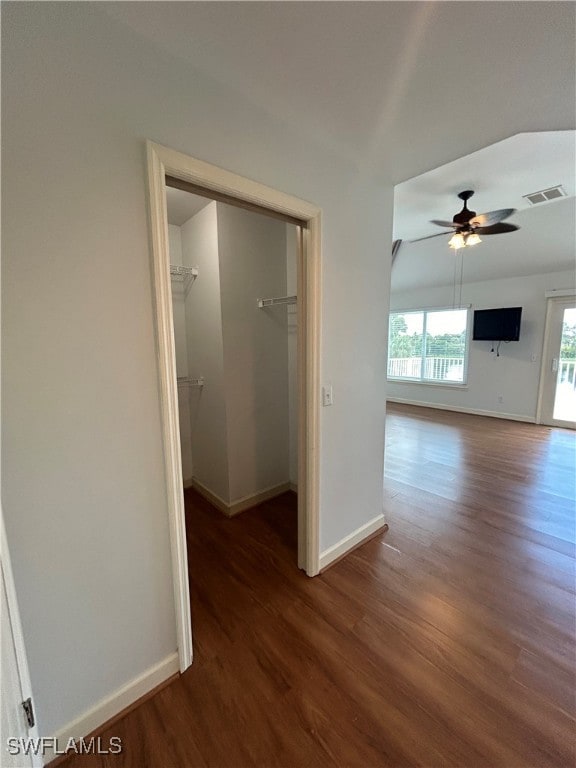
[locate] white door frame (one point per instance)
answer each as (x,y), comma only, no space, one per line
(12,624)
(555,300)
(162,161)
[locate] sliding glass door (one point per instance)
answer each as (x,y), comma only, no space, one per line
(558,385)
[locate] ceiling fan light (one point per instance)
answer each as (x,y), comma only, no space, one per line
(473,239)
(456,241)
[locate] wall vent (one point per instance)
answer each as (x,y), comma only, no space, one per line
(544,195)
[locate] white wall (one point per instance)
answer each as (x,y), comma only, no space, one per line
(178,306)
(205,353)
(83,480)
(292,318)
(252,252)
(179,319)
(237,428)
(175,244)
(514,375)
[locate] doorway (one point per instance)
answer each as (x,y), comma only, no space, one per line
(234,304)
(210,181)
(558,378)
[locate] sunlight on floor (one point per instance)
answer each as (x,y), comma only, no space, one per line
(565,402)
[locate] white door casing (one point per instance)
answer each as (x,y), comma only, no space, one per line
(551,360)
(14,673)
(162,161)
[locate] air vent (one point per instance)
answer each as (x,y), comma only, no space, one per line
(553,193)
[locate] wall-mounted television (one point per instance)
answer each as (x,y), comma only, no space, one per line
(497,324)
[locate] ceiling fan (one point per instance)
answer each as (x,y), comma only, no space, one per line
(467,226)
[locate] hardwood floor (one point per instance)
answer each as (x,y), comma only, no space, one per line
(448,641)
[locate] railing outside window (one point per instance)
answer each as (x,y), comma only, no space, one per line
(567,373)
(435,368)
(428,346)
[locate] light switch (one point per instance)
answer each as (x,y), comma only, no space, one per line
(327,398)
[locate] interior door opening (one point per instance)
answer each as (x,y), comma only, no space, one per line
(225,186)
(234,307)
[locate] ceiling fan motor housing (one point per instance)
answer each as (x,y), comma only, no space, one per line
(465,215)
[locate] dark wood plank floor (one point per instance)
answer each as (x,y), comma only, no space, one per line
(448,641)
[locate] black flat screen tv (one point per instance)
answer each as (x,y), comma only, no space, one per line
(497,324)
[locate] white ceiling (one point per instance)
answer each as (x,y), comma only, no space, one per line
(181,205)
(499,175)
(393,88)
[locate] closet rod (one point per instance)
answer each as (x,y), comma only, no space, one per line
(280,300)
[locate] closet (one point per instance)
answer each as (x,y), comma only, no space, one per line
(233,274)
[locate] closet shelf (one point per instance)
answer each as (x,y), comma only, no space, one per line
(185,275)
(274,302)
(186,381)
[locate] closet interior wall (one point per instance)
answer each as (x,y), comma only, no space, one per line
(239,430)
(179,318)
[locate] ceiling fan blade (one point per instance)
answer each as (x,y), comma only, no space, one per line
(427,237)
(492,217)
(395,248)
(496,229)
(443,223)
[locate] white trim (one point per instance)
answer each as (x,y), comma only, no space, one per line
(15,629)
(160,162)
(425,311)
(430,309)
(544,360)
(351,541)
(257,498)
(427,382)
(557,293)
(112,705)
(309,335)
(544,410)
(211,177)
(458,409)
(246,502)
(169,403)
(210,496)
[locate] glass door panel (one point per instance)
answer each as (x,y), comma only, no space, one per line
(565,396)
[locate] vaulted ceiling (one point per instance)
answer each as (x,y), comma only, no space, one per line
(394,90)
(391,88)
(501,175)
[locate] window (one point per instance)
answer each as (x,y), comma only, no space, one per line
(428,345)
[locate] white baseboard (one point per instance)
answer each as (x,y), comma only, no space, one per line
(458,409)
(257,498)
(351,541)
(246,502)
(112,705)
(213,498)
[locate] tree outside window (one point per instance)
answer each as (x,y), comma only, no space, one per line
(428,345)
